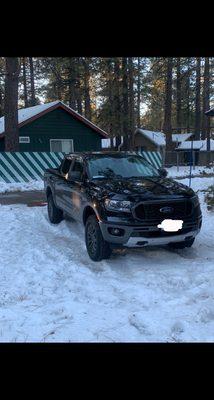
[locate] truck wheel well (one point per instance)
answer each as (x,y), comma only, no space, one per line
(87,212)
(48,192)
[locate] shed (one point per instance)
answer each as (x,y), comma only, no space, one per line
(199,147)
(54,127)
(146,140)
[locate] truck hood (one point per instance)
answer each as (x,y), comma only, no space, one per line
(146,187)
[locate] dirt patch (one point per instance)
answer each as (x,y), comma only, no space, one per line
(31,198)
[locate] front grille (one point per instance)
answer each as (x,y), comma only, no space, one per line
(180,209)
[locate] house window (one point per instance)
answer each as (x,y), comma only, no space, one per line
(62,145)
(24,139)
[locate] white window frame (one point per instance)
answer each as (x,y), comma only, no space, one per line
(61,140)
(24,139)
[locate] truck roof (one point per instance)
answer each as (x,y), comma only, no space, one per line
(87,154)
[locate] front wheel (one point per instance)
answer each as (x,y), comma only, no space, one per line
(55,214)
(98,249)
(182,245)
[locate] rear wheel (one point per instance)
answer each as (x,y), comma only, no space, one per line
(54,213)
(182,245)
(98,249)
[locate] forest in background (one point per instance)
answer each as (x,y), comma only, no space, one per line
(118,94)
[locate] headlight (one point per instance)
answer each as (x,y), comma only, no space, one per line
(115,205)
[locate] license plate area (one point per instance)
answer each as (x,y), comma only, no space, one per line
(171,225)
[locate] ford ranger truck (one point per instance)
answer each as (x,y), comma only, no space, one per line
(122,200)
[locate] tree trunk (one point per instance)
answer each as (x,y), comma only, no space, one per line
(25,82)
(87,99)
(11,104)
(138,91)
(32,87)
(110,96)
(178,96)
(72,82)
(167,127)
(125,103)
(131,102)
(116,101)
(78,88)
(188,95)
(198,99)
(206,101)
(1,104)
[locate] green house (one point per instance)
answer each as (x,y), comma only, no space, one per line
(54,127)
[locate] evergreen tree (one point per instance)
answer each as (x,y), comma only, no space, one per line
(11,104)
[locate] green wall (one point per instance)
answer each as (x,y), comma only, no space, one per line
(58,124)
(1,145)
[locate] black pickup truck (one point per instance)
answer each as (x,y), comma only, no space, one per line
(122,200)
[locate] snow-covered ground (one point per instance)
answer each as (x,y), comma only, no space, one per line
(182,171)
(21,187)
(51,291)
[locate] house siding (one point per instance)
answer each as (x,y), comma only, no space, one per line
(58,124)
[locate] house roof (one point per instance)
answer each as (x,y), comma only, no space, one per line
(210,112)
(197,145)
(159,139)
(27,115)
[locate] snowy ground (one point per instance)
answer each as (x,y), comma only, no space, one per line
(182,171)
(51,291)
(21,187)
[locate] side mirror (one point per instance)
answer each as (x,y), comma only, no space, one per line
(163,172)
(74,176)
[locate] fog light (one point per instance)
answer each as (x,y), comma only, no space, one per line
(116,231)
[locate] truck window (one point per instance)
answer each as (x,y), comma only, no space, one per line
(78,166)
(66,166)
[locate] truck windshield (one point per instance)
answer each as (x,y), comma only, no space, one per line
(127,166)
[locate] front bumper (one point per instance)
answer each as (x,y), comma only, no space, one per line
(148,235)
(160,241)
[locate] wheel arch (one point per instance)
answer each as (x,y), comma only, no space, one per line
(48,191)
(87,212)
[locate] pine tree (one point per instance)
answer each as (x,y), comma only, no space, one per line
(138,90)
(32,85)
(11,104)
(198,99)
(25,82)
(125,103)
(131,125)
(167,128)
(206,102)
(178,96)
(86,90)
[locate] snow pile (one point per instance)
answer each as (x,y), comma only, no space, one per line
(183,171)
(51,291)
(21,187)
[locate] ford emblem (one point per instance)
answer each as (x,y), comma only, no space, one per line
(166,210)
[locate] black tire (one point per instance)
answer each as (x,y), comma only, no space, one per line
(97,248)
(182,245)
(55,214)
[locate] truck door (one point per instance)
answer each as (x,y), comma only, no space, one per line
(62,186)
(77,189)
